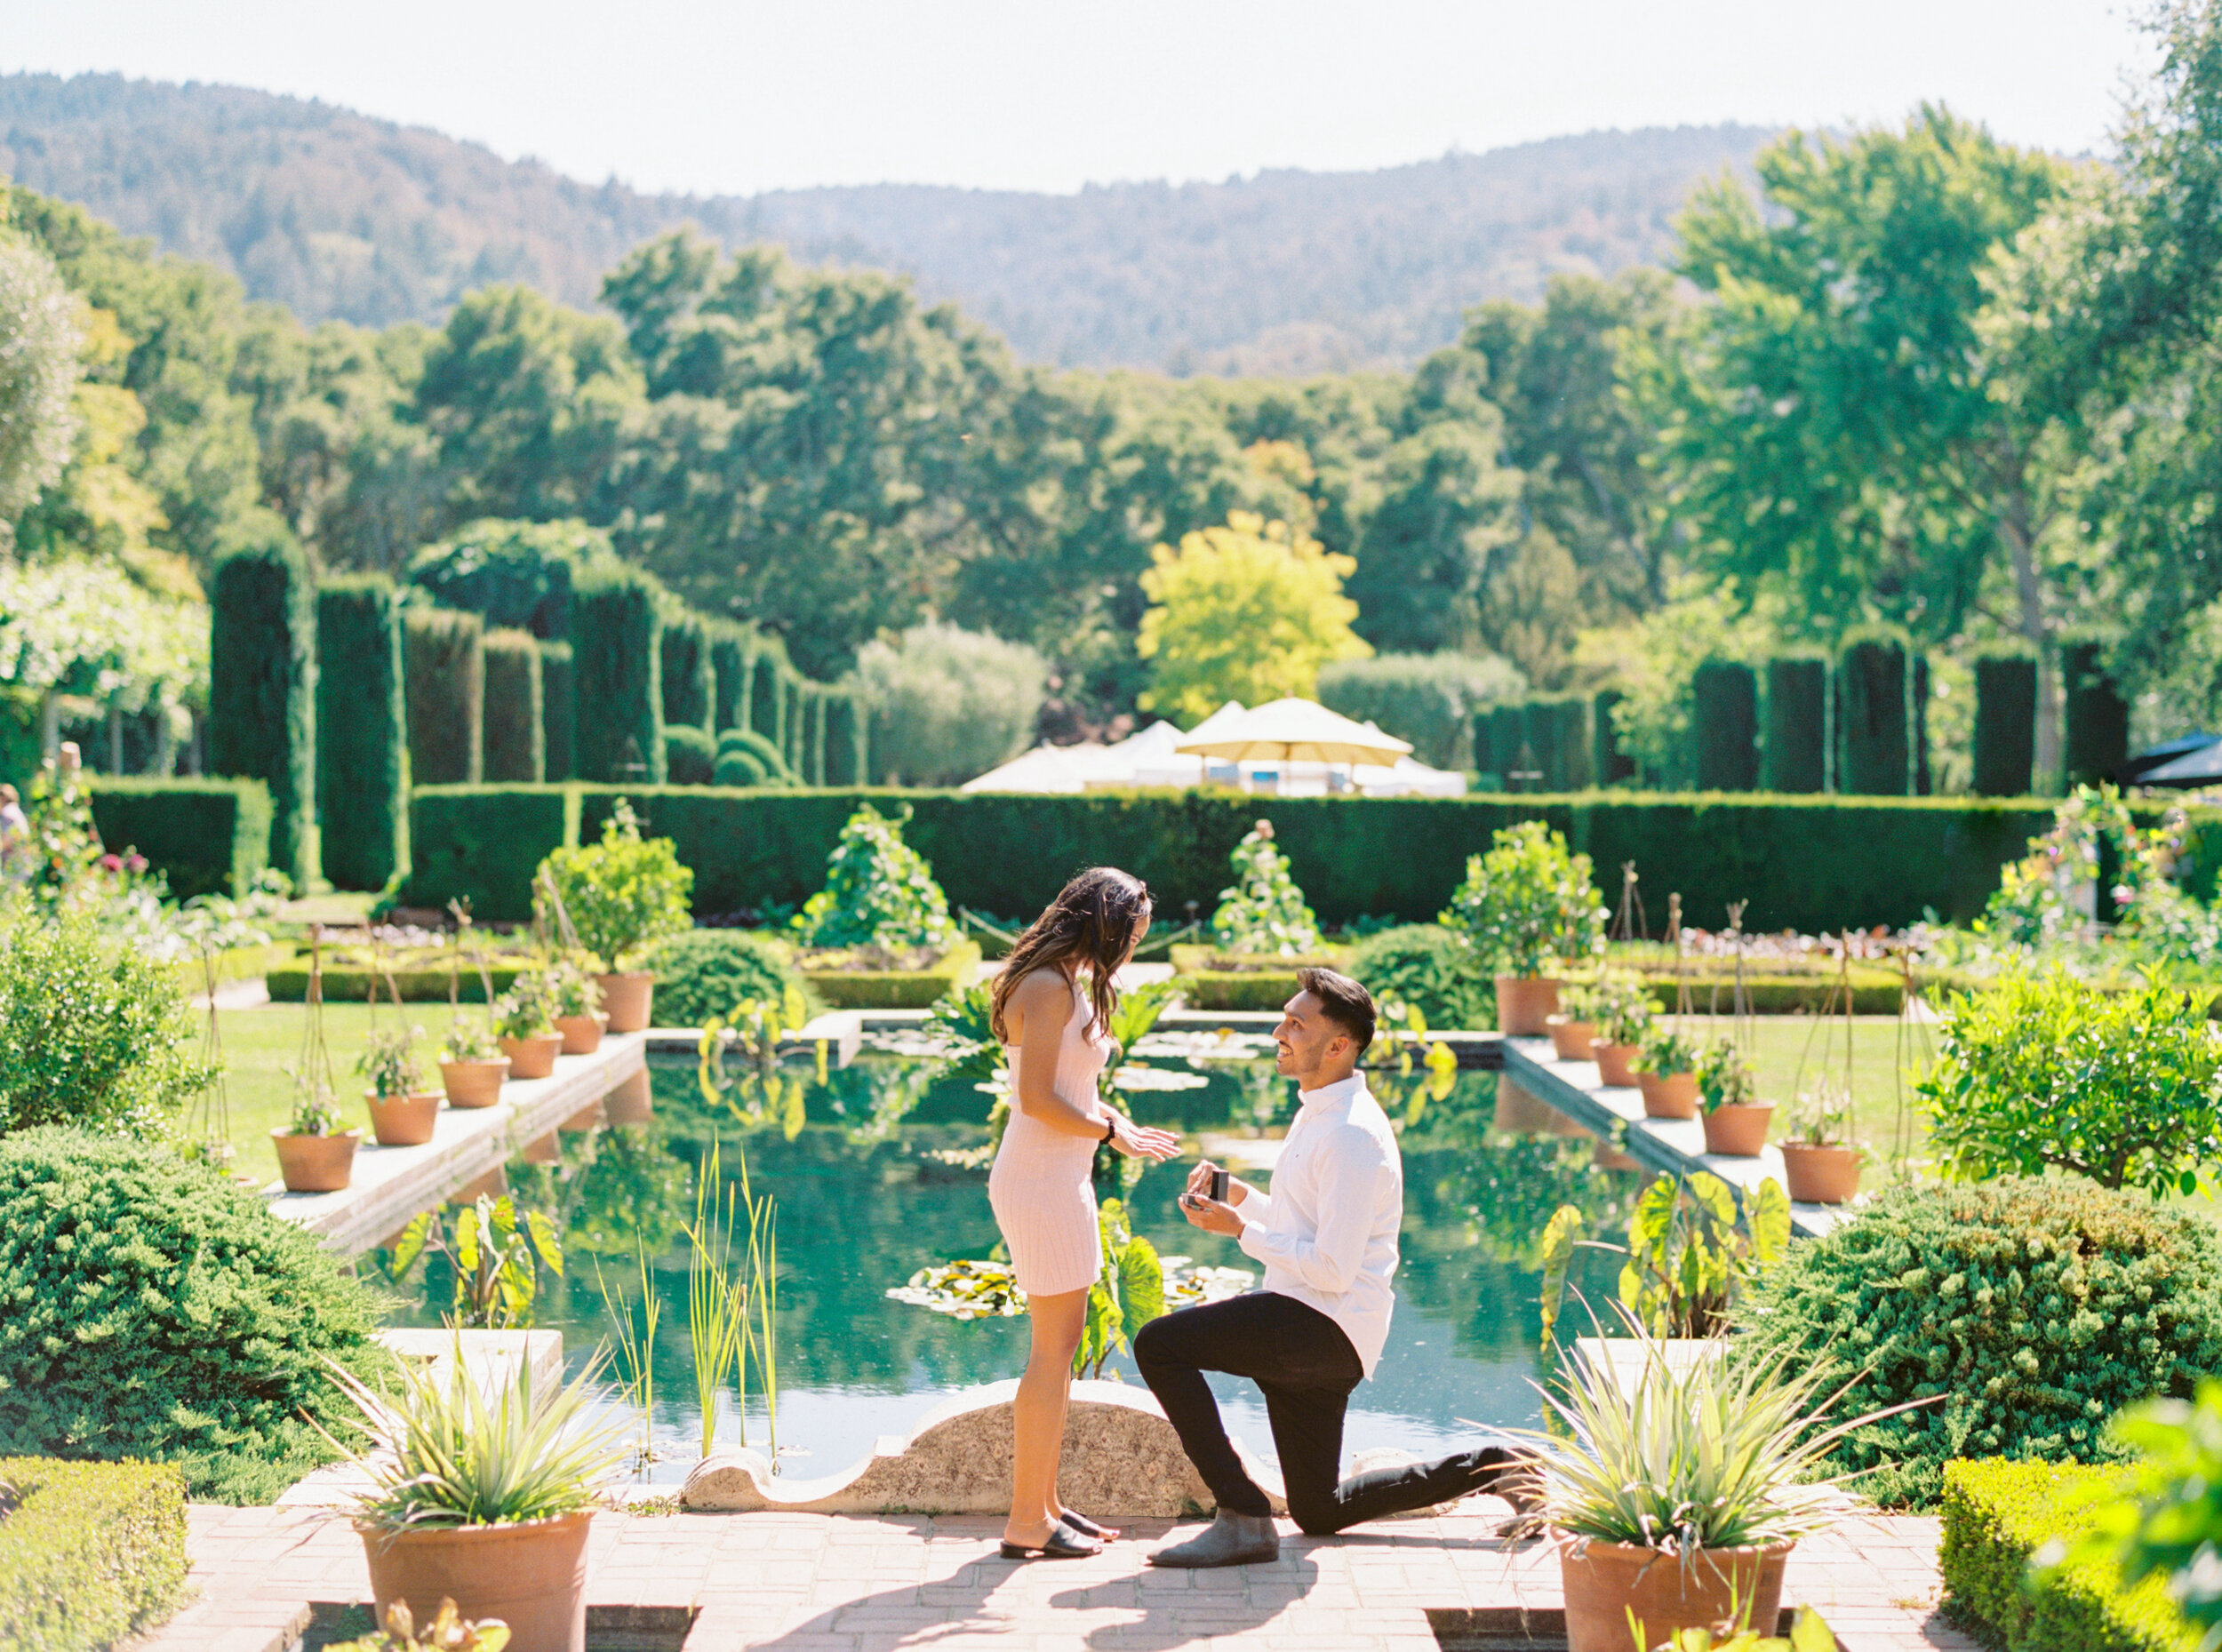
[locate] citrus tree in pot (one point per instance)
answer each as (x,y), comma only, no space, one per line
(527,1028)
(484,1499)
(402,1111)
(1666,1073)
(1736,1120)
(1820,1160)
(1528,907)
(623,895)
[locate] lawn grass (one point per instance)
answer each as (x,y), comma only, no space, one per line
(1791,1054)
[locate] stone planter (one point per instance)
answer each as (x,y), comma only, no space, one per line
(1613,1069)
(1526,1003)
(316,1164)
(626,999)
(632,1102)
(474,1083)
(1605,1583)
(1821,1174)
(1571,1039)
(533,1058)
(531,1575)
(1738,1130)
(582,1034)
(1668,1095)
(403,1121)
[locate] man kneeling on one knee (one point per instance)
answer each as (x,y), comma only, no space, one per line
(1327,1237)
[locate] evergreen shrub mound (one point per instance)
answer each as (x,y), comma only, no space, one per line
(2005,724)
(690,754)
(362,733)
(515,736)
(771,765)
(616,666)
(90,1553)
(704,973)
(2030,1310)
(1428,967)
(150,1308)
(262,687)
(559,712)
(737,766)
(1725,724)
(446,668)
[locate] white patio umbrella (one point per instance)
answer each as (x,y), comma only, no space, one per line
(1293,730)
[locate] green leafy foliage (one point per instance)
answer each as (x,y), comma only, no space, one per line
(496,1258)
(1430,701)
(1664,1051)
(1428,969)
(2165,1522)
(469,1037)
(1618,1004)
(388,1062)
(527,1009)
(2045,1073)
(448,1631)
(1724,1078)
(1527,905)
(1691,1253)
(1264,911)
(879,892)
(511,573)
(625,892)
(150,1308)
(2035,1309)
(91,1553)
(703,975)
(948,703)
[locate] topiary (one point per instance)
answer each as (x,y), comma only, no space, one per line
(625,892)
(879,892)
(738,767)
(689,758)
(151,1308)
(767,755)
(2031,1310)
(1427,966)
(705,973)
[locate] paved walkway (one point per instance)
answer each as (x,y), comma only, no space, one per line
(806,1583)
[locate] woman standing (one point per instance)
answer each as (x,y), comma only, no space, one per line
(1052,1013)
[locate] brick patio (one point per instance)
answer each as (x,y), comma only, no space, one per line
(806,1583)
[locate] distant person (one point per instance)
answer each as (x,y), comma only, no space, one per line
(15,831)
(1327,1236)
(1052,1008)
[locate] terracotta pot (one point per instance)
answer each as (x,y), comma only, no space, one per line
(1613,1069)
(1741,1130)
(533,1058)
(474,1083)
(1526,1003)
(1669,1096)
(403,1121)
(632,1102)
(1605,1582)
(1821,1175)
(531,1575)
(1571,1038)
(626,999)
(582,1034)
(316,1164)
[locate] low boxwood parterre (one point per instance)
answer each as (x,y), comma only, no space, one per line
(1996,1516)
(90,1553)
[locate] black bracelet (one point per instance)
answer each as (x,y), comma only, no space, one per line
(1110,1129)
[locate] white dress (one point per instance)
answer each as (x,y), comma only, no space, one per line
(1040,1189)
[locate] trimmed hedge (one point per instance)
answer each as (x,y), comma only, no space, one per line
(559,712)
(512,574)
(1205,985)
(767,701)
(2005,724)
(847,759)
(1724,725)
(91,1553)
(362,733)
(2097,735)
(1796,743)
(1613,766)
(206,836)
(690,756)
(484,844)
(445,650)
(288,984)
(1556,730)
(690,680)
(515,729)
(618,669)
(1996,1516)
(1875,754)
(262,689)
(1508,743)
(733,664)
(895,989)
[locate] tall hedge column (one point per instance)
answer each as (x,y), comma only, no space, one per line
(2005,724)
(689,683)
(1613,766)
(1796,750)
(618,667)
(1724,724)
(1871,696)
(559,712)
(2097,731)
(732,662)
(516,732)
(362,733)
(445,650)
(262,691)
(1508,733)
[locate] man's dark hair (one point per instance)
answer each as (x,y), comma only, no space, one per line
(1348,1005)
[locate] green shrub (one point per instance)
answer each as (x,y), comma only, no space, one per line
(2096,739)
(1429,968)
(262,688)
(91,1553)
(690,756)
(732,669)
(1264,910)
(2005,724)
(1509,742)
(818,699)
(482,844)
(559,712)
(362,733)
(1481,746)
(1610,765)
(1797,745)
(1556,732)
(2039,1075)
(92,1033)
(515,737)
(737,766)
(617,668)
(848,740)
(624,893)
(1430,701)
(2167,1523)
(948,703)
(151,1308)
(2031,1311)
(690,679)
(444,651)
(1997,1516)
(879,891)
(768,693)
(1527,905)
(703,974)
(1724,725)
(511,573)
(1873,744)
(769,761)
(206,837)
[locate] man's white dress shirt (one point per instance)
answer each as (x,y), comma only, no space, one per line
(1327,1233)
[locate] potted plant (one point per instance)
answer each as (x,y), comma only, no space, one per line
(575,1004)
(526,1031)
(483,1500)
(402,1111)
(1735,1120)
(623,895)
(1620,1028)
(314,1155)
(1584,1006)
(472,1065)
(1666,1073)
(1820,1159)
(1527,907)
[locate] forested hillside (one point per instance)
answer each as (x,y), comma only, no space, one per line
(337,216)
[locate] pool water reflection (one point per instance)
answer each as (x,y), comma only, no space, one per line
(860,1159)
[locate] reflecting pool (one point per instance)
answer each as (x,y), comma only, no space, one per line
(879,1170)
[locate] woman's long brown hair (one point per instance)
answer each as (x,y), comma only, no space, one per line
(1090,922)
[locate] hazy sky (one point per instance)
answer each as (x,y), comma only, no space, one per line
(721,96)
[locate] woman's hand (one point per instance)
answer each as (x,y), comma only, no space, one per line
(1136,1142)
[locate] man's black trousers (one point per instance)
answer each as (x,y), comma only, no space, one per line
(1306,1368)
